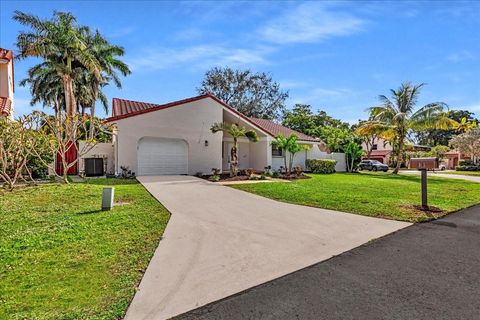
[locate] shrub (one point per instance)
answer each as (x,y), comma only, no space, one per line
(322,165)
(467,168)
(466,163)
(214,178)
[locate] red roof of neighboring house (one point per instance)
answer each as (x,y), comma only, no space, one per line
(6,54)
(275,129)
(380,153)
(122,109)
(5,106)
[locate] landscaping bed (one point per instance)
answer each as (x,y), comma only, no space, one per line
(61,257)
(373,194)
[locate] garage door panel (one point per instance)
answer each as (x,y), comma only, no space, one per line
(160,156)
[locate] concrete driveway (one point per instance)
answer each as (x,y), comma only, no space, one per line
(220,241)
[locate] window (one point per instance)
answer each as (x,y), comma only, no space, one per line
(375,147)
(276,151)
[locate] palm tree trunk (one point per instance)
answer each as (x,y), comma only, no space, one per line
(70,102)
(234,159)
(92,115)
(400,155)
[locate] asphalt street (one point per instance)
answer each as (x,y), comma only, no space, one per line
(426,271)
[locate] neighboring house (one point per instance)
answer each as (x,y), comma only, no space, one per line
(175,138)
(453,157)
(381,151)
(6,83)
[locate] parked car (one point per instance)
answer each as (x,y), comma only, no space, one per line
(372,165)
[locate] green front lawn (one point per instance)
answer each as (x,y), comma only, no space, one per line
(63,258)
(372,194)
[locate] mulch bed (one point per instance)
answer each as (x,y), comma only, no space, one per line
(293,177)
(226,177)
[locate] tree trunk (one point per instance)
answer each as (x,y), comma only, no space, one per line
(234,159)
(92,115)
(70,103)
(400,155)
(285,161)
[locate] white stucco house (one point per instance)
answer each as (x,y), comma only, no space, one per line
(175,138)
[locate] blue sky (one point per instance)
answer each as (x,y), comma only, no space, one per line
(336,56)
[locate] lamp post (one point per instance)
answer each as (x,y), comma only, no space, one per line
(424,188)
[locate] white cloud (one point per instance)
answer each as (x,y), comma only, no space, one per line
(461,56)
(311,22)
(195,57)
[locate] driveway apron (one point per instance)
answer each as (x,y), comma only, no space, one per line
(220,241)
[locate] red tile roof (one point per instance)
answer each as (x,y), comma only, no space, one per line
(380,152)
(5,106)
(275,129)
(122,109)
(6,54)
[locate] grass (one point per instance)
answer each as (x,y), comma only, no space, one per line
(372,194)
(61,257)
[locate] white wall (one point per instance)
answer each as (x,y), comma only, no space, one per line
(101,150)
(190,122)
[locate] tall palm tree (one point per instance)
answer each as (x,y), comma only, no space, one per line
(59,41)
(45,87)
(107,56)
(396,117)
(236,132)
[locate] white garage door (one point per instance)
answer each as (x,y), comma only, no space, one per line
(159,156)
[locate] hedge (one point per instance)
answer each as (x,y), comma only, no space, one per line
(468,168)
(322,165)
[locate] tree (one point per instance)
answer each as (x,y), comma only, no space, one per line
(253,94)
(468,143)
(291,146)
(302,119)
(368,136)
(77,63)
(334,138)
(396,117)
(18,140)
(433,137)
(236,132)
(59,41)
(353,153)
(60,136)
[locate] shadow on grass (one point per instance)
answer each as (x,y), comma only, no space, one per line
(90,212)
(411,178)
(109,181)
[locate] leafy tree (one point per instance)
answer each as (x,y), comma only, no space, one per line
(396,117)
(253,94)
(433,136)
(334,138)
(302,119)
(236,132)
(353,154)
(291,145)
(468,143)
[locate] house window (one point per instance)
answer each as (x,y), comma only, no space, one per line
(276,151)
(375,147)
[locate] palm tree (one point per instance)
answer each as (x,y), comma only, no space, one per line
(107,56)
(291,145)
(236,132)
(45,87)
(396,117)
(59,41)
